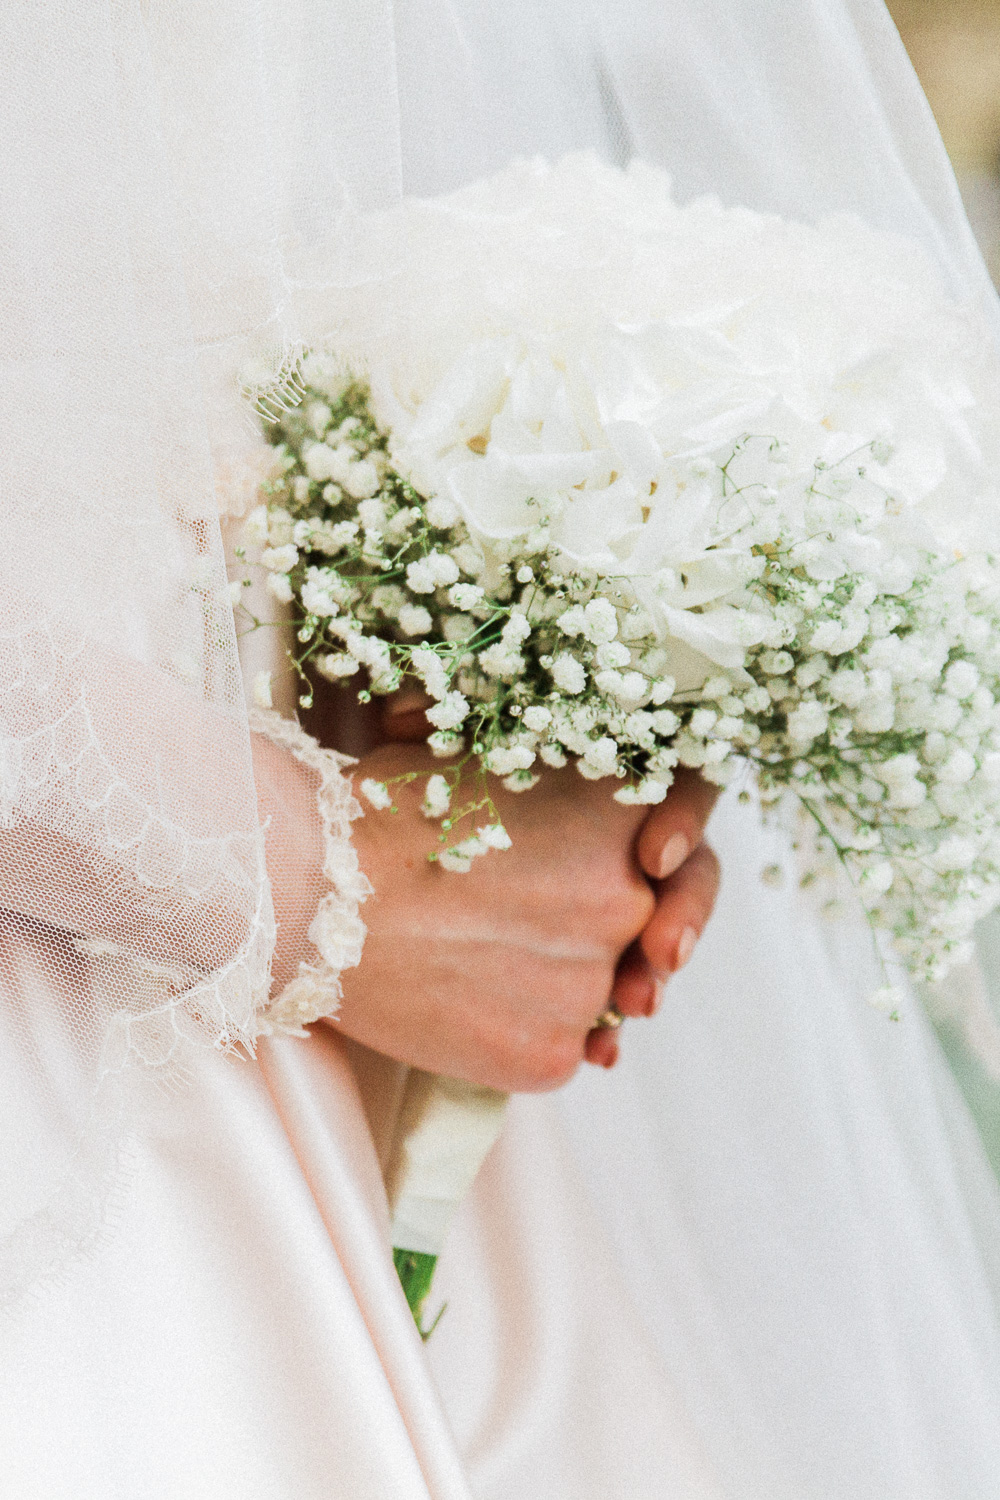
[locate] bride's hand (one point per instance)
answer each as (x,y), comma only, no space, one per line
(497,975)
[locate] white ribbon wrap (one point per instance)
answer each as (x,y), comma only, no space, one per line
(445,1130)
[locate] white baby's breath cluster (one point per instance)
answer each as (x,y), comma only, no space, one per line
(655,487)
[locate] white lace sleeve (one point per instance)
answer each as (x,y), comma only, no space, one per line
(337,932)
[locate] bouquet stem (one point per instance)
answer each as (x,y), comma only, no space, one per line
(445,1129)
(415,1271)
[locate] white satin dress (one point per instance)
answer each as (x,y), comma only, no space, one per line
(757,1260)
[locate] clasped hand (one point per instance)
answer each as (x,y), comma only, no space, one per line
(497,975)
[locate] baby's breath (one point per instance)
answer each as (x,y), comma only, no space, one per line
(862,686)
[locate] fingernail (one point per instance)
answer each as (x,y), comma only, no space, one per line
(685,947)
(675,852)
(653,1003)
(611,1059)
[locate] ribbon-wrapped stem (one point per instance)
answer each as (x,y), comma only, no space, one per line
(445,1129)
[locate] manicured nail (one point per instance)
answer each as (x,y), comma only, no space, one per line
(675,852)
(653,1003)
(611,1059)
(685,947)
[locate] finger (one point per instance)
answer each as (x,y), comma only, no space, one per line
(634,989)
(677,826)
(404,719)
(683,906)
(601,1047)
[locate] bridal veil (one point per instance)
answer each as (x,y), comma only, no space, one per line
(782,1204)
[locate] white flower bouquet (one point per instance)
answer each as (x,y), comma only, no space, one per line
(634,486)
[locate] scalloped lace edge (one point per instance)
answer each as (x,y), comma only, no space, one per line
(337,931)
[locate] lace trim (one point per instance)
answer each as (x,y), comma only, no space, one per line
(336,931)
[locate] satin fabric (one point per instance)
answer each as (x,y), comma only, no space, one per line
(760,1259)
(796,1203)
(240,1333)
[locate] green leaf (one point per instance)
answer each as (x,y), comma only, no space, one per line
(415,1271)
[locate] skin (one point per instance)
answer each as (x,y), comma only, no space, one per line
(497,975)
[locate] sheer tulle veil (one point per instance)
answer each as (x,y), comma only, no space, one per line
(184,184)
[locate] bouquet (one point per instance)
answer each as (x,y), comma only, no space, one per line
(627,486)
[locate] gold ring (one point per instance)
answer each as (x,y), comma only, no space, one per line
(609,1020)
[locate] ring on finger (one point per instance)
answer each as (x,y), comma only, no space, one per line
(609,1020)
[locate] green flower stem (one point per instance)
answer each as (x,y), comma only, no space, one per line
(415,1271)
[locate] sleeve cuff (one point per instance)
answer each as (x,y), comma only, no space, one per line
(336,932)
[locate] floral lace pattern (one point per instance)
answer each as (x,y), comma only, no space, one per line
(337,931)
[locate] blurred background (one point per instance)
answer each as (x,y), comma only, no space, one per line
(955,48)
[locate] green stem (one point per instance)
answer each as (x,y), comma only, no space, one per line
(415,1271)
